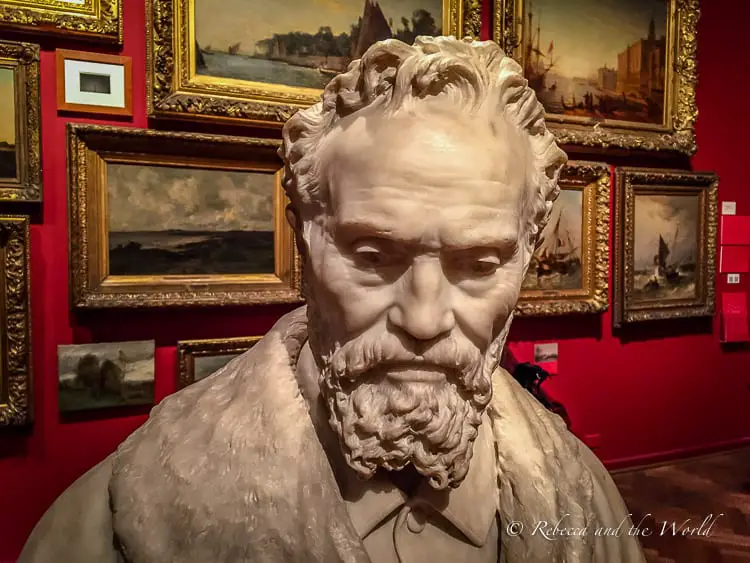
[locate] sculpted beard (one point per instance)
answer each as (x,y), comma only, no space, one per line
(386,423)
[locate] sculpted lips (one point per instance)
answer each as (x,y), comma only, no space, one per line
(415,372)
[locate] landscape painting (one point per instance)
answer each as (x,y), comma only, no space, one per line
(556,264)
(105,375)
(8,166)
(299,43)
(600,59)
(203,366)
(666,247)
(170,221)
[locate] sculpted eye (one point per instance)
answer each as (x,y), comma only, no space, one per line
(485,266)
(370,255)
(475,263)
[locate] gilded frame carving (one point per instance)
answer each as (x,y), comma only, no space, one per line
(98,20)
(175,91)
(91,147)
(15,342)
(593,180)
(633,181)
(188,350)
(23,59)
(676,135)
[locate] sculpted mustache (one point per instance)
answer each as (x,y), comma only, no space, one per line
(364,353)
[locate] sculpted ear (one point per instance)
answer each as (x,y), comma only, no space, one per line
(292,217)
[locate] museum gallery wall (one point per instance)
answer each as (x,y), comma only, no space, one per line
(117,292)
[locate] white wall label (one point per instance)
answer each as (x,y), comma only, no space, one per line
(733,278)
(729,208)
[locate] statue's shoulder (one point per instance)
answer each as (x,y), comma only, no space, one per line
(77,528)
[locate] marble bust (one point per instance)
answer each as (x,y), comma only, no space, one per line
(374,424)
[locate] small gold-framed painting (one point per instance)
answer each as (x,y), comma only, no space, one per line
(609,74)
(665,245)
(20,122)
(570,268)
(97,20)
(15,343)
(94,83)
(259,61)
(197,359)
(163,219)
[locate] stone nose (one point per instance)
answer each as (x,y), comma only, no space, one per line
(422,308)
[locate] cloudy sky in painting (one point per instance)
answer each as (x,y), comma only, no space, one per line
(591,33)
(157,198)
(570,203)
(7,107)
(668,216)
(139,351)
(249,21)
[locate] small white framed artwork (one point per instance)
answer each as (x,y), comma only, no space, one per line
(94,83)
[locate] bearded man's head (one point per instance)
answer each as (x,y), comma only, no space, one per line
(419,185)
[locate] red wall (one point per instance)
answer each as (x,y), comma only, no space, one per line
(662,390)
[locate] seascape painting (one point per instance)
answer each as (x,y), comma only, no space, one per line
(203,366)
(556,264)
(169,221)
(105,375)
(665,247)
(8,166)
(299,43)
(600,59)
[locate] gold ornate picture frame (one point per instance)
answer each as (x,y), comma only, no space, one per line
(569,272)
(15,341)
(160,219)
(635,94)
(98,20)
(185,63)
(665,245)
(20,122)
(197,359)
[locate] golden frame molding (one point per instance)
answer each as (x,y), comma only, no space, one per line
(593,180)
(91,147)
(23,60)
(630,182)
(97,20)
(15,342)
(188,350)
(174,91)
(681,112)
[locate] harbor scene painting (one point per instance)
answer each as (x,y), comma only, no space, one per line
(105,375)
(600,59)
(8,167)
(165,220)
(666,247)
(299,43)
(556,264)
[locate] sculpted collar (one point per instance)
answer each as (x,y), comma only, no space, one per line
(471,507)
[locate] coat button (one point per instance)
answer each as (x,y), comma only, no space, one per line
(416,520)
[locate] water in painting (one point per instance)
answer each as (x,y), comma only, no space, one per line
(602,59)
(556,265)
(7,124)
(111,374)
(298,42)
(187,221)
(666,246)
(206,365)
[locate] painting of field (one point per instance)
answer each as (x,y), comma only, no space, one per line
(301,43)
(556,265)
(105,375)
(206,365)
(665,247)
(602,59)
(8,166)
(188,221)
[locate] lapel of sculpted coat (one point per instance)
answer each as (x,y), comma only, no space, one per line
(230,470)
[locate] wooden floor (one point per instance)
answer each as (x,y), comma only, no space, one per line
(712,491)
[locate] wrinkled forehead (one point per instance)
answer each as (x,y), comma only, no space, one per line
(429,156)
